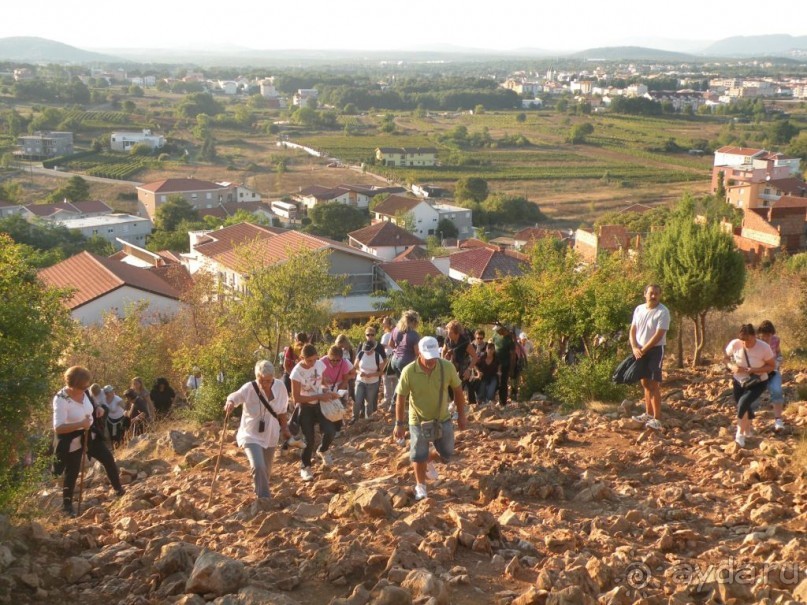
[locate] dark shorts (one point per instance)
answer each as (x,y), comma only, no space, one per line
(652,364)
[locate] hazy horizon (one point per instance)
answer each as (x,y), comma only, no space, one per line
(362,26)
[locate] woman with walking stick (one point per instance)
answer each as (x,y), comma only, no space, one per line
(73,414)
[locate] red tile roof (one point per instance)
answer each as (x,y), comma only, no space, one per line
(411,253)
(263,245)
(488,264)
(385,233)
(412,271)
(790,186)
(228,209)
(93,276)
(740,150)
(397,203)
(753,220)
(180,185)
(535,233)
(789,201)
(472,242)
(87,207)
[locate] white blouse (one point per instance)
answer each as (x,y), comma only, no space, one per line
(254,412)
(67,411)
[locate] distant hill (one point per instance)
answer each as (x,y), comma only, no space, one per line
(41,50)
(631,53)
(769,45)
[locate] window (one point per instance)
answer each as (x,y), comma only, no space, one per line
(208,196)
(111,230)
(163,198)
(194,196)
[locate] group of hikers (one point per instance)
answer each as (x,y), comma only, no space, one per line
(425,383)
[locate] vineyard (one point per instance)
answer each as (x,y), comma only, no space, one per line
(98,119)
(111,166)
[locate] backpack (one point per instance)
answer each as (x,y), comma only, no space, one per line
(521,357)
(378,354)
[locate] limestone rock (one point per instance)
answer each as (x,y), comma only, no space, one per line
(391,595)
(533,596)
(372,502)
(176,557)
(571,595)
(182,442)
(74,568)
(422,583)
(216,574)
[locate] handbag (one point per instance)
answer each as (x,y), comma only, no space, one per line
(332,409)
(753,379)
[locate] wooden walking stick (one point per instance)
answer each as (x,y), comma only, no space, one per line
(81,476)
(218,460)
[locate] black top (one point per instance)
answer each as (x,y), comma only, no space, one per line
(487,370)
(162,400)
(458,353)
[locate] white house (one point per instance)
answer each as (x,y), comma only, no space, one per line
(462,218)
(228,87)
(111,227)
(66,210)
(102,285)
(228,253)
(349,195)
(303,95)
(124,141)
(415,215)
(384,239)
(7,209)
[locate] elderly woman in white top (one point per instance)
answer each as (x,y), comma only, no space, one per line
(265,402)
(749,359)
(116,415)
(73,415)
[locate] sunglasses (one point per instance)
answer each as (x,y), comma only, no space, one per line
(369,334)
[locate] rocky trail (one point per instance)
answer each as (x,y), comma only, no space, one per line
(537,507)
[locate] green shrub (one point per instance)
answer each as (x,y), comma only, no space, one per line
(588,380)
(536,377)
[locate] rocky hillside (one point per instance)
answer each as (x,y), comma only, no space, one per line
(538,507)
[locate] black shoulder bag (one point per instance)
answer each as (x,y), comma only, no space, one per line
(753,379)
(261,425)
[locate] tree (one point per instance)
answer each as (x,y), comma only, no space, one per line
(34,325)
(471,188)
(579,132)
(699,270)
(199,102)
(175,210)
(511,210)
(286,297)
(335,220)
(75,190)
(432,300)
(447,229)
(521,117)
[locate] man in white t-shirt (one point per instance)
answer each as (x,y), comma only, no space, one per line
(648,335)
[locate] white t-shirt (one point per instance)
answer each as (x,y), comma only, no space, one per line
(758,355)
(254,412)
(116,408)
(368,364)
(67,411)
(648,321)
(310,379)
(386,339)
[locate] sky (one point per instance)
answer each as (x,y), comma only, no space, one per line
(405,24)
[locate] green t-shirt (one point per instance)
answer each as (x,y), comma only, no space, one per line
(505,346)
(423,390)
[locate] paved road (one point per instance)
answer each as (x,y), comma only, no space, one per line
(66,175)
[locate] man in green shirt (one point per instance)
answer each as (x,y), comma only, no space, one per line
(424,385)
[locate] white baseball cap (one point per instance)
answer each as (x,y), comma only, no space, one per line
(428,348)
(109,389)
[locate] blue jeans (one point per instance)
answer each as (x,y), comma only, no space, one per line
(390,382)
(419,447)
(366,398)
(487,390)
(775,387)
(260,461)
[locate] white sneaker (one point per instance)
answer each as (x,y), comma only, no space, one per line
(739,438)
(327,459)
(297,442)
(643,418)
(778,425)
(431,472)
(306,474)
(653,424)
(420,492)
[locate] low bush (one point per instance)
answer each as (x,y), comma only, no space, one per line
(589,380)
(536,377)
